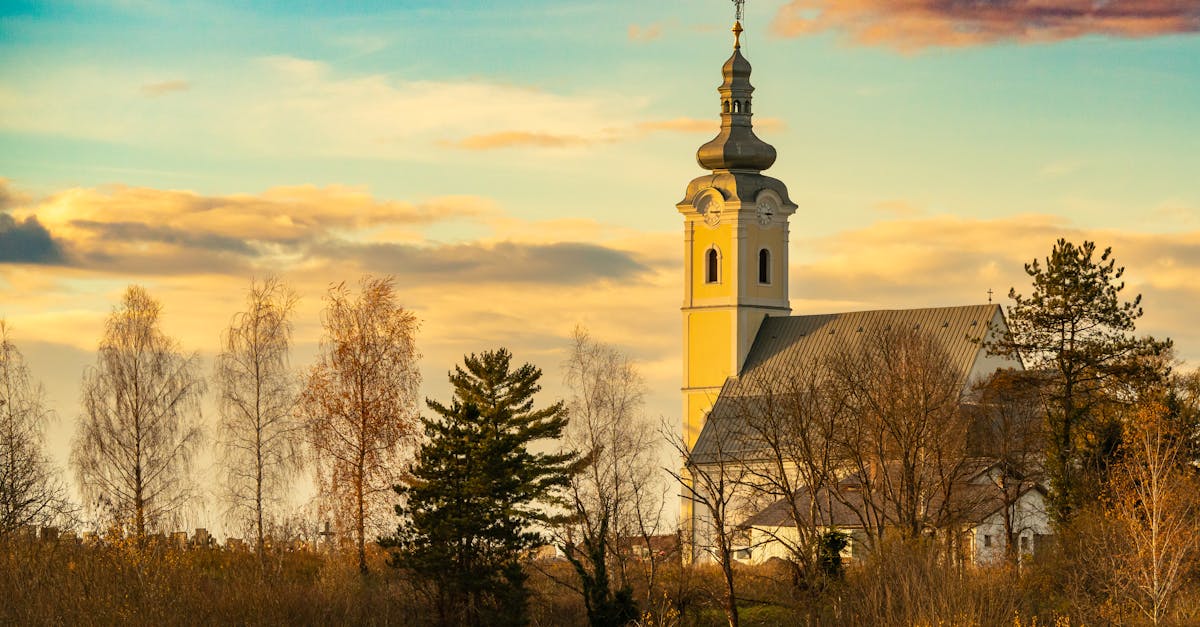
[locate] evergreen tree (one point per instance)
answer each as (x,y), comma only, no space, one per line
(1075,333)
(477,490)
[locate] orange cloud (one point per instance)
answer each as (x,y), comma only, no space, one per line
(277,214)
(165,87)
(645,33)
(695,125)
(680,125)
(917,24)
(518,139)
(950,260)
(530,139)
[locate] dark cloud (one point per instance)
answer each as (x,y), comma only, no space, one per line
(914,24)
(139,232)
(27,241)
(559,263)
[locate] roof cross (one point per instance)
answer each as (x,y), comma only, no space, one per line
(739,6)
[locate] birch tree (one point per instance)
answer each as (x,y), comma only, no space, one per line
(259,434)
(141,426)
(360,403)
(31,492)
(1156,511)
(617,495)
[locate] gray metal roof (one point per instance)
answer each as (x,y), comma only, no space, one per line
(787,346)
(969,503)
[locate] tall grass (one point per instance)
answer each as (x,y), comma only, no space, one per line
(66,583)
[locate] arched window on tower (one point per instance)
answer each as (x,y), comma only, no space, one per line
(725,106)
(712,266)
(764,266)
(737,106)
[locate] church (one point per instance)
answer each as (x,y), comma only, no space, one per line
(738,326)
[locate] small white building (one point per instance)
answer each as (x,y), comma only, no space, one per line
(983,512)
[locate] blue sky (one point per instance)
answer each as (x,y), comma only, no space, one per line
(515,165)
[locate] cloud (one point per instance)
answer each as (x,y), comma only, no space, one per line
(517,139)
(696,125)
(165,87)
(680,125)
(560,263)
(948,260)
(295,107)
(1059,169)
(645,33)
(27,241)
(10,197)
(278,215)
(145,232)
(917,24)
(639,130)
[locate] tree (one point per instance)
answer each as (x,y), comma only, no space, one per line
(716,489)
(1183,403)
(477,490)
(1008,427)
(791,425)
(616,497)
(1075,327)
(141,424)
(31,492)
(360,404)
(903,433)
(259,433)
(1156,511)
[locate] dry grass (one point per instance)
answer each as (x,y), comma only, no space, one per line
(64,583)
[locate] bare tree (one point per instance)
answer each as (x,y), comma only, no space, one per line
(790,428)
(260,435)
(617,495)
(140,427)
(31,492)
(1008,426)
(360,402)
(716,490)
(903,436)
(1156,510)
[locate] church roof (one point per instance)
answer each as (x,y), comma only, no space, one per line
(968,503)
(787,346)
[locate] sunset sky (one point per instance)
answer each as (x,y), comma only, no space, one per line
(515,165)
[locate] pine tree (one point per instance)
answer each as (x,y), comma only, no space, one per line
(477,490)
(1076,333)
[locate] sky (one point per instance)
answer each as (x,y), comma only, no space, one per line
(515,166)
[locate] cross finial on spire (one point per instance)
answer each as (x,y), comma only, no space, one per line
(739,6)
(989,295)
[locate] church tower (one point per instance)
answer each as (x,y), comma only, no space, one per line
(735,247)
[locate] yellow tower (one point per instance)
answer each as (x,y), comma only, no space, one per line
(735,235)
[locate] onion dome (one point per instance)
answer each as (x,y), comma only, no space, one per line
(736,147)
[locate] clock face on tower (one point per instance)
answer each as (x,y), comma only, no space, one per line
(766,210)
(710,208)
